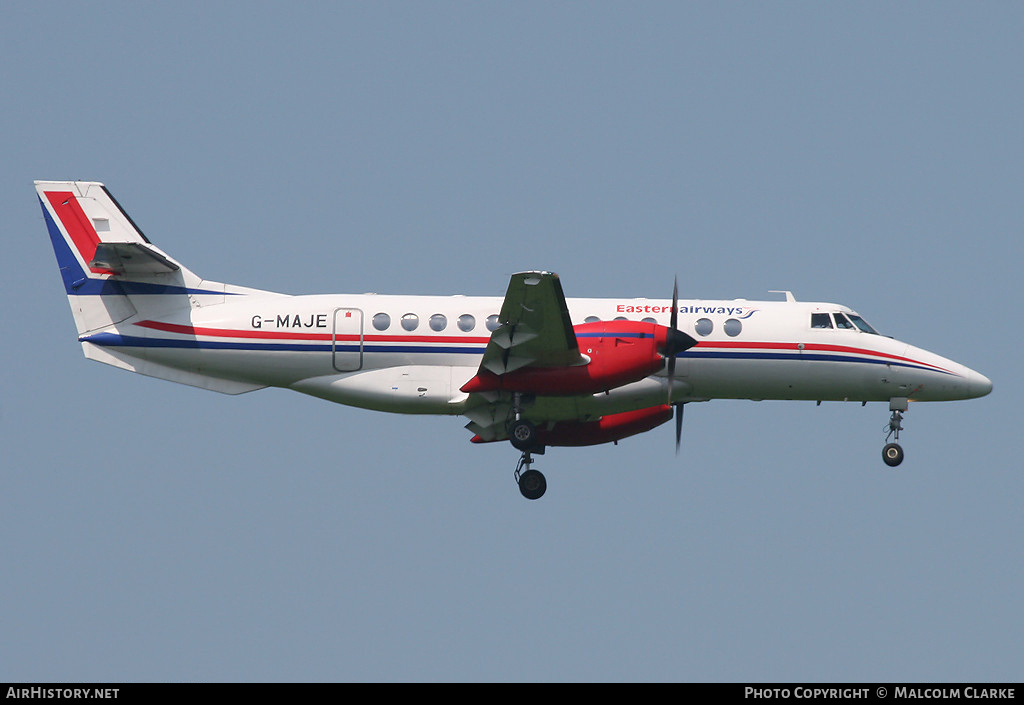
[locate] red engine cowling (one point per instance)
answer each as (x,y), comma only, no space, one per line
(612,427)
(620,352)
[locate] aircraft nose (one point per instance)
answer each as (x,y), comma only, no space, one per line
(978,385)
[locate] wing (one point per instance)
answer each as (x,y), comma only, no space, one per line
(533,370)
(535,328)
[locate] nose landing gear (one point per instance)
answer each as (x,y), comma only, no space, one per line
(892,453)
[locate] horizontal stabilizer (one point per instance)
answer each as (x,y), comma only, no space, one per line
(128,258)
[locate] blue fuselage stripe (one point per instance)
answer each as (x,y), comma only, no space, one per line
(133,341)
(115,340)
(816,357)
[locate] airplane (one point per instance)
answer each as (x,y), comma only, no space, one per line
(533,368)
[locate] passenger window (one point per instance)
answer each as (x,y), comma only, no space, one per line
(648,320)
(704,326)
(466,322)
(438,322)
(842,321)
(732,327)
(493,323)
(410,321)
(381,321)
(821,320)
(591,319)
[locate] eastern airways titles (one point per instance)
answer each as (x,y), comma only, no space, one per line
(723,310)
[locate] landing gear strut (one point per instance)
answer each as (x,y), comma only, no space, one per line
(523,436)
(892,453)
(531,482)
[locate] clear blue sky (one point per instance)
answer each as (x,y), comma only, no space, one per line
(864,153)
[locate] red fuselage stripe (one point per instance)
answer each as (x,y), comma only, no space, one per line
(311,337)
(813,347)
(319,337)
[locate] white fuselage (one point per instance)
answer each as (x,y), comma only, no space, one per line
(411,354)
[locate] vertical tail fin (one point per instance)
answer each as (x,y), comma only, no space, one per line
(115,277)
(105,261)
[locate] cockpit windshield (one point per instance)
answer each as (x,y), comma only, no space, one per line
(843,321)
(862,324)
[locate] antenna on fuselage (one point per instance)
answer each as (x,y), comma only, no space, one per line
(789,295)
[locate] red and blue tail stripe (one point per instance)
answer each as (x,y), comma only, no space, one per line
(77,248)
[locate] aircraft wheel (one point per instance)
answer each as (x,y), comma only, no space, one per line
(523,435)
(892,454)
(532,484)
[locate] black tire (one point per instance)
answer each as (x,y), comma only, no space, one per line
(532,484)
(892,454)
(523,435)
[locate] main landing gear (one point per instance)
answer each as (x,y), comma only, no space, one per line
(523,436)
(892,453)
(531,482)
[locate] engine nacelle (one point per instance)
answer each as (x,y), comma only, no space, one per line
(609,428)
(612,427)
(620,352)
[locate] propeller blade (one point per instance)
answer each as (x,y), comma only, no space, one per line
(676,341)
(679,424)
(674,320)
